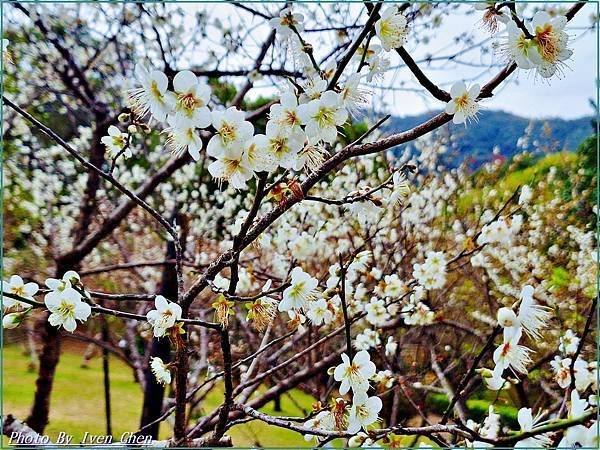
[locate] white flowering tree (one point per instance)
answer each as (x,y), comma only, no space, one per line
(261,243)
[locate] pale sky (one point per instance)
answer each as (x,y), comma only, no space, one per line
(526,95)
(531,97)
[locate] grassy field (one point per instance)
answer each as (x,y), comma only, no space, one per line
(512,180)
(77,403)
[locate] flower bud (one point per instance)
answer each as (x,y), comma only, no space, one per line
(123,117)
(507,317)
(132,129)
(12,320)
(357,440)
(485,372)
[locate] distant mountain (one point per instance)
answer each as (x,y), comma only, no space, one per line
(475,143)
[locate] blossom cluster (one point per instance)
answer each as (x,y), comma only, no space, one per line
(395,261)
(540,45)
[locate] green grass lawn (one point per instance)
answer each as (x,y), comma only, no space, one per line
(77,403)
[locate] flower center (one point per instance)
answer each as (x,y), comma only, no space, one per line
(462,102)
(66,309)
(548,43)
(362,412)
(324,117)
(232,165)
(353,372)
(165,318)
(278,146)
(287,20)
(297,290)
(20,291)
(291,118)
(227,133)
(119,141)
(189,102)
(387,28)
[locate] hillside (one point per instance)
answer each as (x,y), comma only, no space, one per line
(476,142)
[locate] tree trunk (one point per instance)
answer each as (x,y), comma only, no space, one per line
(160,347)
(49,356)
(106,370)
(154,393)
(277,403)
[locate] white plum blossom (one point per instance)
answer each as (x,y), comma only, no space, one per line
(303,288)
(285,113)
(417,314)
(527,423)
(391,28)
(16,286)
(463,104)
(6,56)
(500,231)
(448,260)
(376,312)
(355,375)
(235,170)
(352,95)
(322,116)
(394,287)
(313,88)
(69,278)
(281,146)
(375,60)
(233,134)
(390,347)
(546,52)
(364,411)
(525,195)
(489,429)
(360,262)
(569,342)
(115,142)
(286,20)
(160,370)
(323,421)
(190,100)
(550,49)
(532,316)
(164,316)
(318,312)
(365,211)
(580,436)
(401,188)
(183,136)
(66,307)
(367,339)
(384,378)
(517,47)
(578,407)
(12,320)
(257,157)
(432,273)
(493,378)
(152,97)
(511,354)
(562,373)
(507,318)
